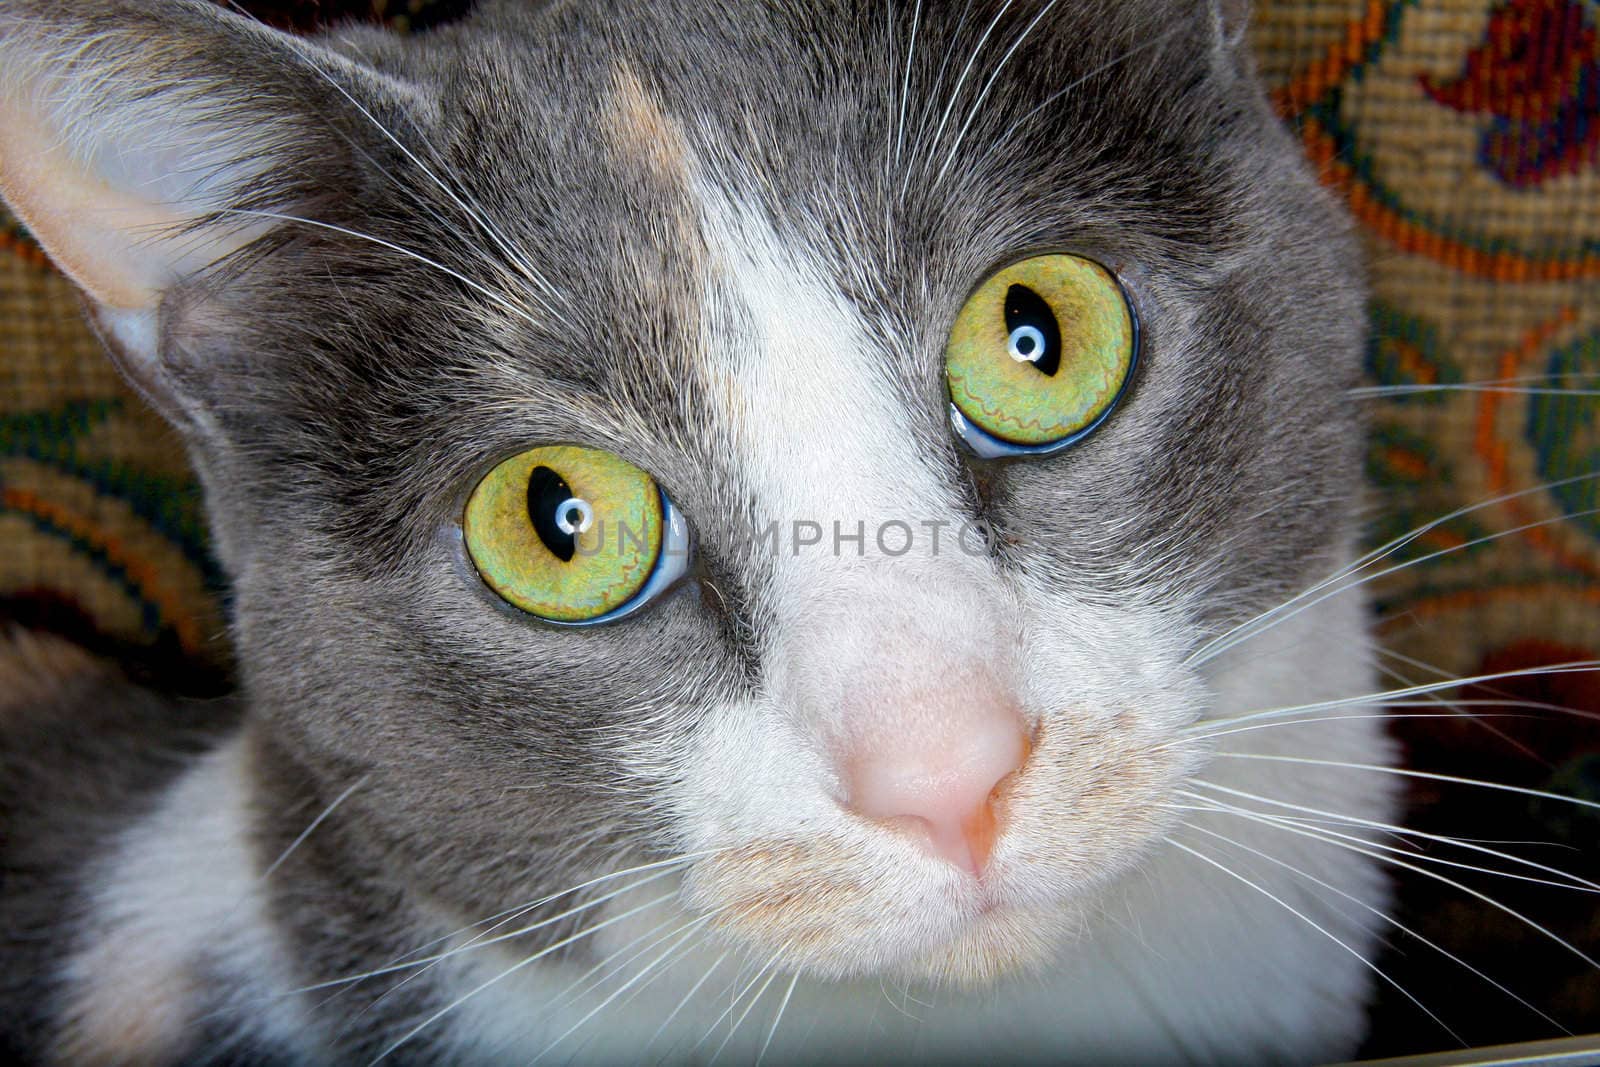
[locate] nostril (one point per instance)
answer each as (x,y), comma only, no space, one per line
(940,786)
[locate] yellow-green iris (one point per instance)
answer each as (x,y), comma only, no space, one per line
(1041,350)
(565,533)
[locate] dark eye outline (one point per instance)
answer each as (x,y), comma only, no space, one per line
(673,562)
(985,445)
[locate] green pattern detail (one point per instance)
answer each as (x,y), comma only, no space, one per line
(1404,350)
(1564,432)
(171,505)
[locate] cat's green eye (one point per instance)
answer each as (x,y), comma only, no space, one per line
(1039,355)
(573,535)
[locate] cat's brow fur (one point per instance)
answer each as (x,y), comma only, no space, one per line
(597,189)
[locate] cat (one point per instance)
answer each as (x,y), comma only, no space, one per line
(764,768)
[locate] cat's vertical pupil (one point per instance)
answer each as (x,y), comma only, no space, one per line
(549,496)
(1034,336)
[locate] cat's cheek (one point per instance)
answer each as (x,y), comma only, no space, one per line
(1116,702)
(1096,801)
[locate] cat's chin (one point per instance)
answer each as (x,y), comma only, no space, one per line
(997,944)
(946,929)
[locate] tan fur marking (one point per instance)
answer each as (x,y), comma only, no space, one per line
(641,130)
(37,668)
(809,899)
(800,895)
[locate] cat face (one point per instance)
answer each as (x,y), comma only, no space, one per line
(729,248)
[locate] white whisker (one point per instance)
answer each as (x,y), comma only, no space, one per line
(1408,773)
(1254,625)
(905,82)
(955,93)
(673,1014)
(511,914)
(983,94)
(1208,726)
(938,78)
(1455,707)
(1374,968)
(683,933)
(1096,72)
(586,983)
(772,966)
(1386,716)
(1573,882)
(482,290)
(1396,923)
(1510,700)
(1374,576)
(783,1006)
(485,942)
(307,832)
(1436,876)
(473,212)
(513,969)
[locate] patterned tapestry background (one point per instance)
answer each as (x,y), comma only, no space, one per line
(1465,137)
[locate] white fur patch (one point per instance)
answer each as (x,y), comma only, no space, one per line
(177,917)
(1172,960)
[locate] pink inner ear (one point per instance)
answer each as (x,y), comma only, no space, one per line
(110,188)
(106,240)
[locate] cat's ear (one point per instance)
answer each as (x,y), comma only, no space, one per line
(144,142)
(1230,20)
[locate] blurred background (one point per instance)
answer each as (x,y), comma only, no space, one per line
(1464,136)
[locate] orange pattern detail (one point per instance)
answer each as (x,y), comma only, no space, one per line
(25,249)
(1409,237)
(1335,65)
(142,573)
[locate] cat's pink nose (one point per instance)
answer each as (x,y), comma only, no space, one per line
(940,785)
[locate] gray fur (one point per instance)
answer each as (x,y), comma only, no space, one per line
(339,399)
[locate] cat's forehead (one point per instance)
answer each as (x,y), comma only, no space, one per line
(901,154)
(937,134)
(729,233)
